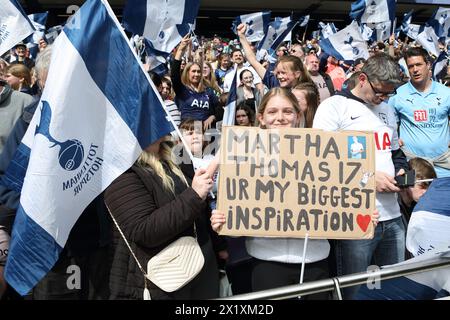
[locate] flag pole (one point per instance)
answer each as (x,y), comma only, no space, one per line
(147,76)
(304,33)
(302,272)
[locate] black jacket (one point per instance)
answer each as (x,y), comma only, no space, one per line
(150,218)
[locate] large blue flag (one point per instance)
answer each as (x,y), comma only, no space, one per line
(257,24)
(14,25)
(373,11)
(428,228)
(426,285)
(97,113)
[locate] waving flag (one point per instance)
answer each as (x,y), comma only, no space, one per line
(366,32)
(347,44)
(304,21)
(52,33)
(381,31)
(429,41)
(38,20)
(229,115)
(257,24)
(414,30)
(276,33)
(149,17)
(420,286)
(407,18)
(327,29)
(98,111)
(440,22)
(439,65)
(14,25)
(373,11)
(429,226)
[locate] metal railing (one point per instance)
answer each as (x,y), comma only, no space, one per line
(335,284)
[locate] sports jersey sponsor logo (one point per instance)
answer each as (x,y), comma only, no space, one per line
(354,118)
(420,115)
(382,141)
(200,104)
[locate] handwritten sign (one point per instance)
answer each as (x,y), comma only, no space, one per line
(289,182)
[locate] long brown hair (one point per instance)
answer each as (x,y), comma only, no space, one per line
(312,98)
(295,64)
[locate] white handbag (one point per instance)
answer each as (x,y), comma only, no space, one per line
(174,266)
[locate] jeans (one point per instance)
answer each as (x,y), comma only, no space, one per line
(386,247)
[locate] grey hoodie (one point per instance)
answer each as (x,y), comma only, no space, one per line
(12,104)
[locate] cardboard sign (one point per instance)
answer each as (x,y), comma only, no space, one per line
(290,182)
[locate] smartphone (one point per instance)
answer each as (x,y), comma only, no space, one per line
(406,180)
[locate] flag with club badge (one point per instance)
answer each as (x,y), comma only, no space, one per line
(98,111)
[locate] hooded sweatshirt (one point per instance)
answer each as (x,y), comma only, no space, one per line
(12,104)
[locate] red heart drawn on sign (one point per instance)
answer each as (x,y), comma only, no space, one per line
(363,221)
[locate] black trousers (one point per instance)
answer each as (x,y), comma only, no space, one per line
(270,274)
(81,277)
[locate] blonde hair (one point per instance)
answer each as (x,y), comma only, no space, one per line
(185,77)
(150,161)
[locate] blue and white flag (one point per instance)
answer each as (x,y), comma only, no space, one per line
(14,25)
(366,32)
(373,11)
(429,226)
(407,19)
(276,33)
(304,21)
(52,33)
(257,24)
(429,41)
(168,39)
(149,17)
(98,111)
(439,65)
(414,30)
(347,44)
(229,115)
(381,31)
(327,29)
(38,20)
(426,285)
(440,22)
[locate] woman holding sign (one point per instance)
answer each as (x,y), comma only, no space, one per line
(278,260)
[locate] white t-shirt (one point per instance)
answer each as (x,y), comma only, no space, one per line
(342,113)
(228,80)
(321,86)
(287,250)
